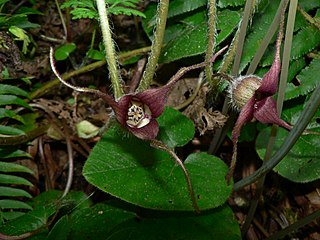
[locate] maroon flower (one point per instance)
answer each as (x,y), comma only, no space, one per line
(138,112)
(253,96)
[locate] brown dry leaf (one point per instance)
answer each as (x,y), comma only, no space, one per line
(205,120)
(181,91)
(314,198)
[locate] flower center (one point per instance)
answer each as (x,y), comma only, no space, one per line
(139,114)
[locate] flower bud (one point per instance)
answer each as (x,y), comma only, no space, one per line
(242,89)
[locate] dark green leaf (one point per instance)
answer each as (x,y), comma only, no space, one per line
(232,3)
(302,163)
(121,224)
(131,170)
(190,37)
(181,129)
(308,80)
(178,7)
(100,215)
(61,229)
(304,41)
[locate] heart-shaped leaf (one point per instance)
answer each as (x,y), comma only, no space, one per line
(128,168)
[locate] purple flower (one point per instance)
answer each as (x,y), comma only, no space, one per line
(138,112)
(253,96)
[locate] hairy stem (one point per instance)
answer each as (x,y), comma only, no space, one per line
(212,30)
(109,48)
(156,46)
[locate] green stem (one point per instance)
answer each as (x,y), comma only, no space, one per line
(156,46)
(212,30)
(300,223)
(109,48)
(62,19)
(280,99)
(306,115)
(248,9)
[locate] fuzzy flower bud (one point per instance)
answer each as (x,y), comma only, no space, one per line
(242,89)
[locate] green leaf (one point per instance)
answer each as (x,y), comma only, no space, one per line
(95,54)
(7,130)
(232,3)
(13,192)
(308,79)
(187,36)
(120,224)
(6,113)
(261,23)
(11,179)
(12,152)
(8,89)
(181,129)
(100,215)
(302,163)
(129,169)
(8,216)
(44,206)
(10,99)
(304,41)
(61,229)
(178,7)
(12,167)
(117,10)
(63,52)
(192,38)
(13,204)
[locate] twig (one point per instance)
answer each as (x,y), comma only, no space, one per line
(90,67)
(70,161)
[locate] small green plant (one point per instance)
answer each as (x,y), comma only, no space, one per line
(18,23)
(88,8)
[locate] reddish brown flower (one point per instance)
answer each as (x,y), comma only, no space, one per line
(253,96)
(138,112)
